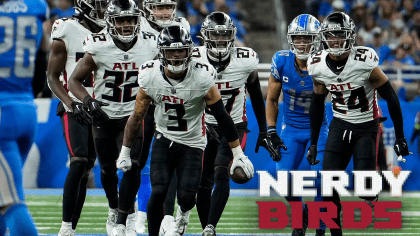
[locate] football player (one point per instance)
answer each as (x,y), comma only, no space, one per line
(115,57)
(67,37)
(158,14)
(21,38)
(236,73)
(352,76)
(290,74)
(180,88)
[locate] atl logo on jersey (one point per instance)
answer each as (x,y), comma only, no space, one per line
(341,87)
(125,66)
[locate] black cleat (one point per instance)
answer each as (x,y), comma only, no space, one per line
(301,232)
(336,232)
(370,202)
(320,232)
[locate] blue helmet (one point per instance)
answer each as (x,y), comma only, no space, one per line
(304,25)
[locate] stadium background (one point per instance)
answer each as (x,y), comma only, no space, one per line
(391,27)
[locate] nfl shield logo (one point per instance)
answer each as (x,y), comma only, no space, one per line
(173,90)
(302,83)
(125,57)
(219,76)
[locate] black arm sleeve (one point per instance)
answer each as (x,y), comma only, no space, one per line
(316,116)
(40,72)
(224,121)
(257,102)
(387,92)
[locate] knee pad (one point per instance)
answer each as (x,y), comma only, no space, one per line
(186,199)
(221,172)
(80,161)
(109,168)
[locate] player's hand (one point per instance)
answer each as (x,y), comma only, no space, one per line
(212,134)
(80,113)
(275,140)
(266,143)
(95,109)
(243,162)
(124,160)
(401,149)
(311,155)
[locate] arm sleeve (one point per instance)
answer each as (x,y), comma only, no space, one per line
(224,121)
(316,116)
(387,92)
(40,72)
(257,102)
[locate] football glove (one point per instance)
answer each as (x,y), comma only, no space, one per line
(95,109)
(401,149)
(311,155)
(124,160)
(80,113)
(276,140)
(242,161)
(212,134)
(266,143)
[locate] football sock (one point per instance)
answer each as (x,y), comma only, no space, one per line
(80,200)
(219,198)
(319,198)
(155,208)
(19,221)
(109,183)
(170,196)
(144,193)
(71,189)
(129,186)
(203,204)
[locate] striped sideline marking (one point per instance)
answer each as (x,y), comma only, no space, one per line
(233,192)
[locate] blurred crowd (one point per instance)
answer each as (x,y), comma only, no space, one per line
(391,27)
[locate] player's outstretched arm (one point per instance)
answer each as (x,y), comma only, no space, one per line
(316,116)
(214,102)
(56,64)
(380,81)
(257,100)
(273,94)
(132,128)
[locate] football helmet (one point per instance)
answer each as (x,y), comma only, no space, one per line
(123,20)
(338,33)
(160,12)
(218,33)
(304,25)
(175,48)
(92,10)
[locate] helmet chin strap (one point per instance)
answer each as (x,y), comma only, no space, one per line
(219,57)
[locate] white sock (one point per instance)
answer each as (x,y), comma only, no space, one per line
(65,225)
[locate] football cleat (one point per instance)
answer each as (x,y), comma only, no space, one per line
(166,224)
(111,221)
(66,232)
(320,232)
(130,229)
(336,232)
(209,231)
(179,227)
(370,202)
(301,232)
(141,222)
(118,230)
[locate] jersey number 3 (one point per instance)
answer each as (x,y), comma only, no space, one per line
(180,112)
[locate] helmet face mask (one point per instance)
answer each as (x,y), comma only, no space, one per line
(338,33)
(175,48)
(218,33)
(93,10)
(303,36)
(160,12)
(123,21)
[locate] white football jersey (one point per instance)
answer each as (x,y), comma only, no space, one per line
(72,33)
(231,81)
(116,76)
(354,98)
(146,27)
(179,112)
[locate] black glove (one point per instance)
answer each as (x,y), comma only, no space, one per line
(265,141)
(95,109)
(212,134)
(311,155)
(401,147)
(80,113)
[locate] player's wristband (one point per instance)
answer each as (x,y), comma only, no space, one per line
(271,129)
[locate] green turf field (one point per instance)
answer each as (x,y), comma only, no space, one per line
(239,217)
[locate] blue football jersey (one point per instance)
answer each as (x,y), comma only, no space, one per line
(297,89)
(20,38)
